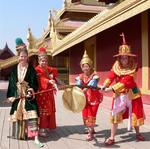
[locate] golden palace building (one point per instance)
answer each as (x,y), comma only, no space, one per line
(95,26)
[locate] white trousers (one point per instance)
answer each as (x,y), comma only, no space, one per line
(122,102)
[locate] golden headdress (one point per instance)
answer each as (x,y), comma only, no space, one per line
(124,49)
(86,60)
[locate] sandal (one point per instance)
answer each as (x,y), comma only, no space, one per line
(140,137)
(109,142)
(93,132)
(39,144)
(89,137)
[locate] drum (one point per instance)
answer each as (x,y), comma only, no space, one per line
(74,99)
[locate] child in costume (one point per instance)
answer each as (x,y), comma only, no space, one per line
(93,97)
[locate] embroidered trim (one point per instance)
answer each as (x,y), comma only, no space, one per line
(119,71)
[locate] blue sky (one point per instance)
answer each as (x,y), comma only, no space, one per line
(16,16)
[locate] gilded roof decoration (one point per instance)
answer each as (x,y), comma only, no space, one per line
(55,43)
(103,21)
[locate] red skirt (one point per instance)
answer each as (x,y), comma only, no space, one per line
(137,113)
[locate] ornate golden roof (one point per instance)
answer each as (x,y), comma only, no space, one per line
(67,25)
(57,25)
(104,20)
(89,7)
(101,22)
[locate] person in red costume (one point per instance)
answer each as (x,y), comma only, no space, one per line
(93,97)
(46,103)
(127,102)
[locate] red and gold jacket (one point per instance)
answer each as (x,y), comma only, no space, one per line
(124,81)
(93,97)
(46,103)
(44,75)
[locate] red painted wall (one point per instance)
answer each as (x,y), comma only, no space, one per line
(109,41)
(76,53)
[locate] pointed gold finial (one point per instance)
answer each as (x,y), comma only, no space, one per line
(29,33)
(30,39)
(50,19)
(67,3)
(85,55)
(123,38)
(43,30)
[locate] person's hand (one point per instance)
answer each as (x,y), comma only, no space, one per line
(7,101)
(52,81)
(30,93)
(108,89)
(85,89)
(102,87)
(10,99)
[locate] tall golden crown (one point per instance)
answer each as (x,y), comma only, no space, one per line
(124,49)
(85,59)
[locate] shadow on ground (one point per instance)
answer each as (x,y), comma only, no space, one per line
(125,136)
(67,131)
(3,98)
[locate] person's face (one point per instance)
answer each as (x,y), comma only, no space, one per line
(43,62)
(23,57)
(124,60)
(86,69)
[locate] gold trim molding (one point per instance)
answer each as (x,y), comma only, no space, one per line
(145,58)
(103,21)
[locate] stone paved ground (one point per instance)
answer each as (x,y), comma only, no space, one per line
(70,131)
